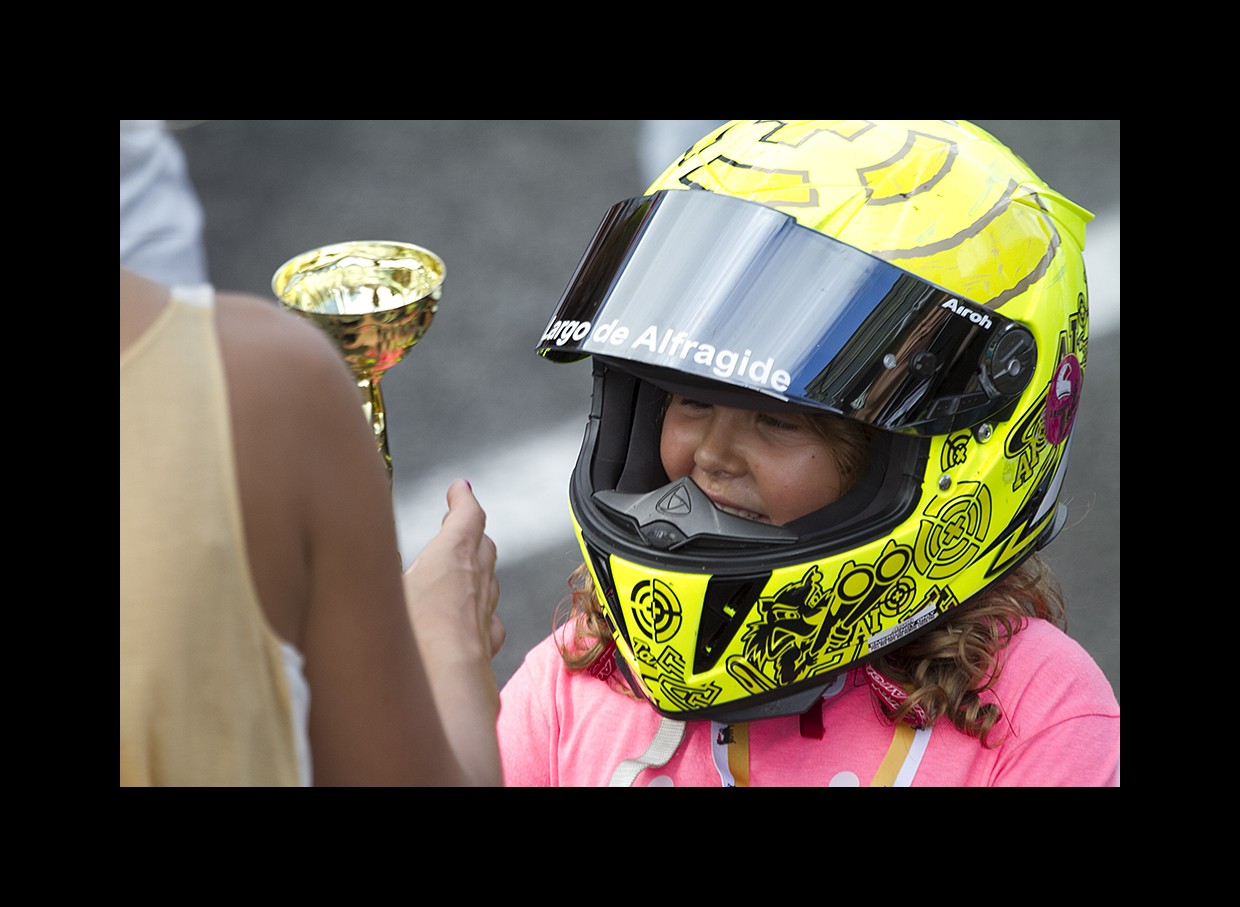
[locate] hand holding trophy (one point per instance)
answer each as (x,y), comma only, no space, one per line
(374,299)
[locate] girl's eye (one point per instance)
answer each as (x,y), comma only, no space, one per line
(776,422)
(692,404)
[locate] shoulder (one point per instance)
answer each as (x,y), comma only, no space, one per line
(1041,647)
(277,358)
(528,725)
(296,406)
(541,670)
(141,302)
(566,728)
(1048,674)
(1061,717)
(254,324)
(543,686)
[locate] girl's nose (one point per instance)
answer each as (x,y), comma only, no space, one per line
(719,451)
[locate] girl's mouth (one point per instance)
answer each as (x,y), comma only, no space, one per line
(743,514)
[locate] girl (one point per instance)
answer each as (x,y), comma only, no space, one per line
(813,482)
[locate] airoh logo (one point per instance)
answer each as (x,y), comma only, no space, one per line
(981,319)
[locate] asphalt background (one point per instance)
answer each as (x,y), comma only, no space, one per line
(510,206)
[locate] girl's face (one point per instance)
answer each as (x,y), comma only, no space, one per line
(772,467)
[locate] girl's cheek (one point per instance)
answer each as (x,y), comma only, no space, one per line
(675,452)
(667,456)
(673,462)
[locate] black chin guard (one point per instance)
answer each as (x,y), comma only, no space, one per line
(680,512)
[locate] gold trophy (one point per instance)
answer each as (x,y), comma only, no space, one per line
(374,299)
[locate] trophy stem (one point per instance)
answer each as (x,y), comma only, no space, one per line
(372,405)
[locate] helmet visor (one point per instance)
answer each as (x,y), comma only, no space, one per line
(720,289)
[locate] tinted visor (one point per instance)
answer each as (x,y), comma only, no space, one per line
(720,289)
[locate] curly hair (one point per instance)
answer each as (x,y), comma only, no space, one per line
(944,671)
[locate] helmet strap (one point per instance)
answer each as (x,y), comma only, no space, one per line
(666,740)
(811,721)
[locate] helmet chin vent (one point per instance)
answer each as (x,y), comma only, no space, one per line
(680,512)
(726,606)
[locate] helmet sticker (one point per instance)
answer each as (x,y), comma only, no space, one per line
(614,337)
(1062,398)
(955,450)
(1025,443)
(664,679)
(1079,324)
(782,643)
(806,629)
(656,610)
(952,532)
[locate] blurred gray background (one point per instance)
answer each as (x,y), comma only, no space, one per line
(510,206)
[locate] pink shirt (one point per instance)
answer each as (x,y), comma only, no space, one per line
(564,729)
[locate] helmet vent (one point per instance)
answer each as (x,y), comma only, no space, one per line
(724,610)
(680,512)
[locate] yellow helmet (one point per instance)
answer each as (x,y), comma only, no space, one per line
(914,275)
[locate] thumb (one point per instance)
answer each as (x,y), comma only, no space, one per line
(463,508)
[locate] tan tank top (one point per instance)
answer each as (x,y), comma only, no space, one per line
(204,699)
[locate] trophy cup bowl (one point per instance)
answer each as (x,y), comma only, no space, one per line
(374,299)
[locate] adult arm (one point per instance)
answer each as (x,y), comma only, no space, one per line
(322,538)
(452,592)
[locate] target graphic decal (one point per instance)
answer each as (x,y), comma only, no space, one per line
(951,533)
(955,451)
(656,609)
